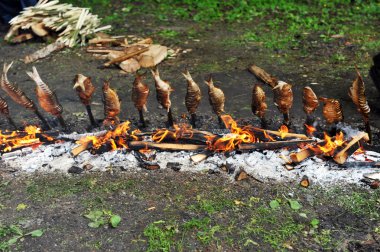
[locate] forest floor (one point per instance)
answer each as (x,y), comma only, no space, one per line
(178,211)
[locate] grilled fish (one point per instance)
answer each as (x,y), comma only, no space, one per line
(140,93)
(332,110)
(310,100)
(111,105)
(193,94)
(259,105)
(283,96)
(216,98)
(13,91)
(357,94)
(47,98)
(4,107)
(84,88)
(163,90)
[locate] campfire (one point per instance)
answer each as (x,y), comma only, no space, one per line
(186,146)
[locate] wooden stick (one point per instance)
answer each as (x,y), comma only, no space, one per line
(342,156)
(142,120)
(201,156)
(11,122)
(277,133)
(125,57)
(263,76)
(80,148)
(138,145)
(273,145)
(45,124)
(301,156)
(91,116)
(44,52)
(193,120)
(170,118)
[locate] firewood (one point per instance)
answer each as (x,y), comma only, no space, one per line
(301,156)
(39,29)
(342,156)
(284,135)
(115,54)
(154,55)
(200,157)
(44,52)
(104,50)
(263,76)
(130,65)
(146,41)
(305,182)
(126,56)
(80,148)
(274,145)
(242,175)
(21,38)
(137,145)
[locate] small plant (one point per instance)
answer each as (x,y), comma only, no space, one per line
(10,235)
(314,223)
(99,218)
(168,34)
(294,204)
(160,236)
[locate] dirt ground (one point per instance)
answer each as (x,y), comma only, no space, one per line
(179,211)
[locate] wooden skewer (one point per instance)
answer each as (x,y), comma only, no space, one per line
(342,156)
(170,118)
(45,124)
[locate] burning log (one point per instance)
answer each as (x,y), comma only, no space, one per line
(216,99)
(44,52)
(263,76)
(140,93)
(259,105)
(283,99)
(144,163)
(342,155)
(18,96)
(274,145)
(111,105)
(80,148)
(357,94)
(193,97)
(138,145)
(310,104)
(301,156)
(5,111)
(163,91)
(47,98)
(85,90)
(280,134)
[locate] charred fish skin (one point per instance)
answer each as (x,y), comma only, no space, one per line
(309,100)
(14,92)
(140,93)
(46,98)
(163,90)
(332,110)
(216,98)
(193,95)
(84,87)
(258,105)
(283,97)
(111,105)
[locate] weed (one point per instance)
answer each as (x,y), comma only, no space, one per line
(211,206)
(324,239)
(168,34)
(99,218)
(10,235)
(361,203)
(160,236)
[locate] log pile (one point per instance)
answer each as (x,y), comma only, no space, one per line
(48,19)
(129,57)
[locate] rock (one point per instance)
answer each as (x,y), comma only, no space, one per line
(175,166)
(75,170)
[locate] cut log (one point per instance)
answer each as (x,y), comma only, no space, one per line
(80,148)
(138,145)
(126,56)
(274,145)
(104,49)
(44,52)
(153,56)
(263,76)
(39,29)
(21,38)
(342,155)
(200,156)
(114,55)
(130,65)
(301,156)
(13,31)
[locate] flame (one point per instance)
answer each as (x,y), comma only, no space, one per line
(19,139)
(310,130)
(181,130)
(232,140)
(284,131)
(330,144)
(115,138)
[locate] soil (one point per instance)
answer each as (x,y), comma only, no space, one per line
(56,203)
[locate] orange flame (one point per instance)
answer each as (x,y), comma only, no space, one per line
(284,131)
(181,130)
(330,144)
(19,139)
(310,130)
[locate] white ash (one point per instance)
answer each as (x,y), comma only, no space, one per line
(264,166)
